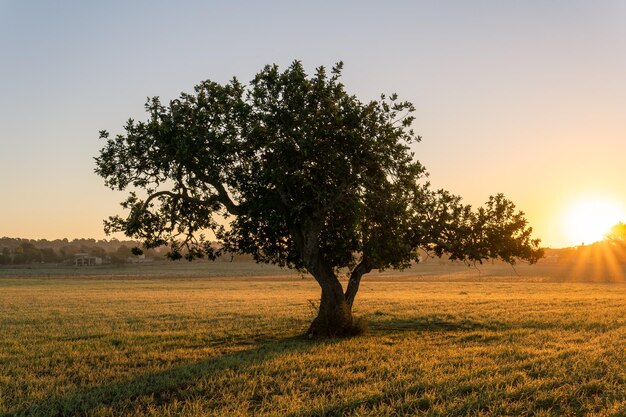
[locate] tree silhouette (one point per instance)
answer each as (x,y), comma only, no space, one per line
(296,172)
(617,233)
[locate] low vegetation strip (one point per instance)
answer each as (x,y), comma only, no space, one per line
(225,347)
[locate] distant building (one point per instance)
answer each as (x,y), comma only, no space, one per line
(84,259)
(138,259)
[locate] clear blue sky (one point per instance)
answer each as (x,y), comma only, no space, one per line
(527,98)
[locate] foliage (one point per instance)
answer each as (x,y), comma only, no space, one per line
(617,233)
(25,252)
(495,231)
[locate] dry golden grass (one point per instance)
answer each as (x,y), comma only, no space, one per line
(452,343)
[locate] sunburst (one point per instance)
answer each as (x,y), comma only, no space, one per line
(589,219)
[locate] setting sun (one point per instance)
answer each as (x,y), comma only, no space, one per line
(589,220)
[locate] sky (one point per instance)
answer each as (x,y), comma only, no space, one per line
(523,98)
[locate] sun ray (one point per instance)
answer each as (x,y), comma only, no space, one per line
(579,268)
(611,259)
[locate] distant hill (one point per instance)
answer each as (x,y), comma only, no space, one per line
(16,251)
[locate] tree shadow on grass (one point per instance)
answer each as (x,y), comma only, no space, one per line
(433,323)
(162,386)
(414,398)
(174,383)
(450,323)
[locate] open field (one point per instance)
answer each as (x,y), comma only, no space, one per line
(189,341)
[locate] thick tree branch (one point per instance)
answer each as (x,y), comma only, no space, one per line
(222,195)
(361,269)
(184,196)
(225,199)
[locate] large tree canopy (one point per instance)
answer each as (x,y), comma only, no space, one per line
(297,172)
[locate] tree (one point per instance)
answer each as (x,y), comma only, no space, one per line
(296,172)
(27,253)
(121,254)
(617,233)
(614,244)
(48,255)
(6,256)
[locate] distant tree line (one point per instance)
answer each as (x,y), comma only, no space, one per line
(17,251)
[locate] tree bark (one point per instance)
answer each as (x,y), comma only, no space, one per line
(334,317)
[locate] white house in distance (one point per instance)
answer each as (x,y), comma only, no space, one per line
(84,259)
(138,259)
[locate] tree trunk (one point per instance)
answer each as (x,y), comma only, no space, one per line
(334,317)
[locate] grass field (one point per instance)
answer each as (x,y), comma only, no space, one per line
(225,340)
